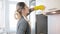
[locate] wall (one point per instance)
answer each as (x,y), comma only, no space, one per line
(2,24)
(54,24)
(50,4)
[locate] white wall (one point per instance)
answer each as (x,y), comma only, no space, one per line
(49,4)
(54,24)
(2,24)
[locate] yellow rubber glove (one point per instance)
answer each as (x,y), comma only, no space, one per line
(40,7)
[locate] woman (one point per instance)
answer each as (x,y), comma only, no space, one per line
(23,27)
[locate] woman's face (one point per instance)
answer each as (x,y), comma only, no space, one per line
(26,10)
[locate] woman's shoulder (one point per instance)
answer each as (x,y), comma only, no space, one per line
(22,20)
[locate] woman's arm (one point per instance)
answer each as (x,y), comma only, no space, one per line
(30,10)
(40,7)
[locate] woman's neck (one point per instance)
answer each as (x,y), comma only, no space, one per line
(25,16)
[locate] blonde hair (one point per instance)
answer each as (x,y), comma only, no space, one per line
(17,15)
(18,12)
